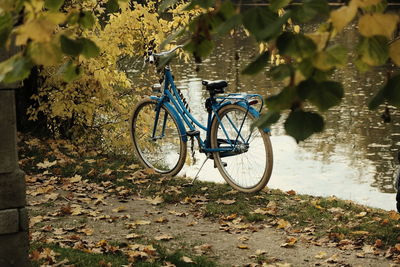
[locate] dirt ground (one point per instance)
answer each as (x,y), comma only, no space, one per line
(92,213)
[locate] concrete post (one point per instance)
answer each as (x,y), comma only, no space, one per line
(14,239)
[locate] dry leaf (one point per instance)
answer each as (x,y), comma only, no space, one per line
(119,209)
(161,220)
(360,233)
(320,255)
(226,201)
(187,259)
(87,231)
(164,237)
(77,178)
(46,164)
(289,242)
(132,236)
(155,201)
(282,224)
(243,246)
(141,222)
(291,192)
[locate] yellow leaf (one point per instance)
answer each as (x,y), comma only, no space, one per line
(378,24)
(187,259)
(155,201)
(342,16)
(164,237)
(132,236)
(360,233)
(77,178)
(242,246)
(321,255)
(282,224)
(394,52)
(119,209)
(39,30)
(46,164)
(319,38)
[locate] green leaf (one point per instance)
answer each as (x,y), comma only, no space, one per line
(6,25)
(14,69)
(263,23)
(323,95)
(70,46)
(281,72)
(229,24)
(267,119)
(374,50)
(309,10)
(53,5)
(112,6)
(70,71)
(90,49)
(257,65)
(301,124)
(165,4)
(277,4)
(334,56)
(283,100)
(87,19)
(200,49)
(295,45)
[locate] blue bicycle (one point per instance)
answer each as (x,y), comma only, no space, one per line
(161,126)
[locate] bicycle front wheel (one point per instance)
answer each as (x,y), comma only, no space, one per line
(248,166)
(157,140)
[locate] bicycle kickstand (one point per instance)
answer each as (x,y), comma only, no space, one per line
(201,167)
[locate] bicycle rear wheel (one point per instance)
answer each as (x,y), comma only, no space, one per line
(157,142)
(249,168)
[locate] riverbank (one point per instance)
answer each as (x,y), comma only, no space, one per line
(85,205)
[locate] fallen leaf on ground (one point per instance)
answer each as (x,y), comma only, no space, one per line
(119,209)
(155,201)
(46,164)
(164,237)
(260,252)
(289,242)
(320,255)
(187,259)
(282,224)
(360,232)
(77,178)
(161,220)
(132,236)
(202,249)
(243,246)
(226,201)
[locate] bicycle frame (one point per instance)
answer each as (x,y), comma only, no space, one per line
(171,100)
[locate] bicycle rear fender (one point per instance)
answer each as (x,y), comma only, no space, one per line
(252,111)
(181,126)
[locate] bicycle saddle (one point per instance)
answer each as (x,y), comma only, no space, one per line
(214,85)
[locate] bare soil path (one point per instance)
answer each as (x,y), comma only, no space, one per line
(84,213)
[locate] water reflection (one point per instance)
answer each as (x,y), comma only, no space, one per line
(352,159)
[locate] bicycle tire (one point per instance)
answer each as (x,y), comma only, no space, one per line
(246,172)
(166,154)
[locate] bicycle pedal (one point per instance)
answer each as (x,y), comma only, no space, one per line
(223,164)
(193,133)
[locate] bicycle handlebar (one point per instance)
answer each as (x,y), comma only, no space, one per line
(164,53)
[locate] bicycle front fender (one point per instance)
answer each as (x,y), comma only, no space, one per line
(253,112)
(171,109)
